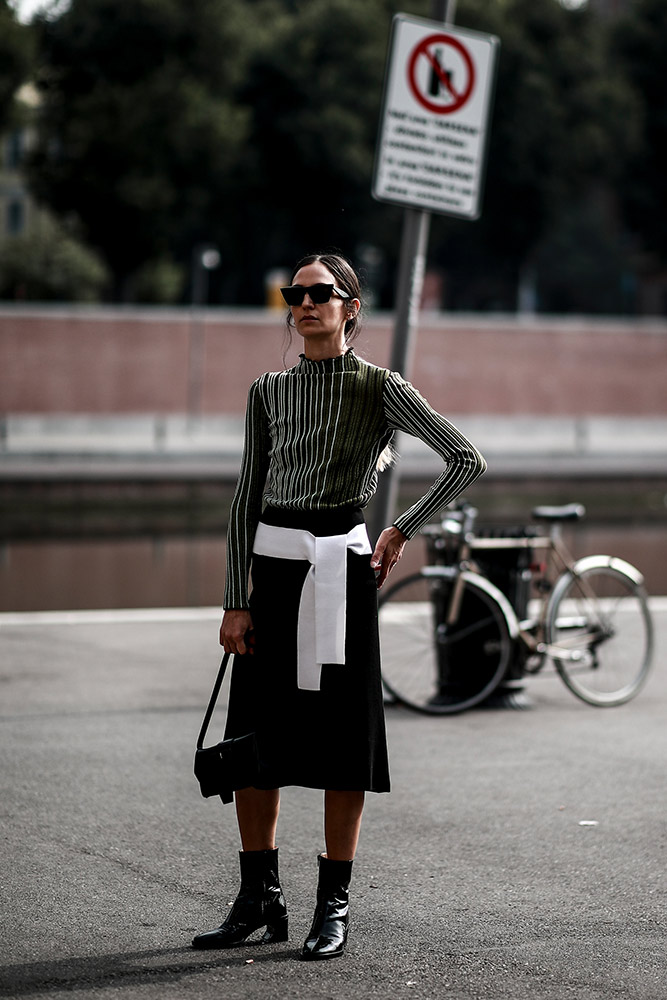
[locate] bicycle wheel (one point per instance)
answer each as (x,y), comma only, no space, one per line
(429,666)
(600,625)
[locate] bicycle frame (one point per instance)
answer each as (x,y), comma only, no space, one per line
(461,576)
(475,618)
(464,570)
(530,632)
(560,565)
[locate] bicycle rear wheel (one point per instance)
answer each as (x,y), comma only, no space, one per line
(429,666)
(600,627)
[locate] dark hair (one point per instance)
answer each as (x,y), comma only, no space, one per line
(345,277)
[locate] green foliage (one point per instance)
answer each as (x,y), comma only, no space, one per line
(582,263)
(563,121)
(49,264)
(15,62)
(314,87)
(638,53)
(252,124)
(158,281)
(139,131)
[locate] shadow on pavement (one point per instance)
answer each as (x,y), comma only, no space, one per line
(153,966)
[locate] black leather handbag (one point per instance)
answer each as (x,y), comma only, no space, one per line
(229,765)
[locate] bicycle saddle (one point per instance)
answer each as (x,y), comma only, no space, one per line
(568,512)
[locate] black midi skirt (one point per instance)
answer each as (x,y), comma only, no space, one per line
(333,738)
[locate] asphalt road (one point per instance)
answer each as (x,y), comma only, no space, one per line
(474,878)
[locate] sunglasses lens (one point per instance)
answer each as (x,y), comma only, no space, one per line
(294,294)
(320,293)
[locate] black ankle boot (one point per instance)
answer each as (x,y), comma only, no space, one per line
(328,935)
(260,903)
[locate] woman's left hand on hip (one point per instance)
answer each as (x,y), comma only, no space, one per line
(388,551)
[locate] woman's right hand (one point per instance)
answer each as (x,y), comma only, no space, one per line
(236,632)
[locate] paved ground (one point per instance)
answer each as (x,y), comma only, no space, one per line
(475,877)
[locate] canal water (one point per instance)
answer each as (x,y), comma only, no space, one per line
(87,552)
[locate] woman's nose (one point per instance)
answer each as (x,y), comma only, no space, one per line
(307,301)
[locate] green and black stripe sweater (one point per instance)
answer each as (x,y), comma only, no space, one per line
(313,437)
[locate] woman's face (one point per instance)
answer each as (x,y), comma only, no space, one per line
(324,321)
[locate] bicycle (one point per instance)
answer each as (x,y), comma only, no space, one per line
(450,635)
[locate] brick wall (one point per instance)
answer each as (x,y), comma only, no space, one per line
(147,361)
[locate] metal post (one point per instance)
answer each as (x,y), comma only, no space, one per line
(411,268)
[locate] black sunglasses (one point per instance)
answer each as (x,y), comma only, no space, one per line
(320,293)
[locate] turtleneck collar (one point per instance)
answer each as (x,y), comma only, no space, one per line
(347,362)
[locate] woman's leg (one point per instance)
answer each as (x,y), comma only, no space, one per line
(260,901)
(257,815)
(342,820)
(342,823)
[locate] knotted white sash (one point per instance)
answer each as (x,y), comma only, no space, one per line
(321,629)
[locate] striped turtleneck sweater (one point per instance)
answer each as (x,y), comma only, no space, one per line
(313,436)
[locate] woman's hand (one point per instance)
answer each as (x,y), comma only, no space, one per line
(388,551)
(236,632)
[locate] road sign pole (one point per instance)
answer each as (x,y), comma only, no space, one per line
(412,263)
(409,286)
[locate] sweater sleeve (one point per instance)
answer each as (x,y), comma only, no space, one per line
(407,410)
(246,507)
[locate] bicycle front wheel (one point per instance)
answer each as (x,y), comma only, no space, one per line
(599,627)
(432,667)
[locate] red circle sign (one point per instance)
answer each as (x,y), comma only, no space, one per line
(443,79)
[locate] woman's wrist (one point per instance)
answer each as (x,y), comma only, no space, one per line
(404,537)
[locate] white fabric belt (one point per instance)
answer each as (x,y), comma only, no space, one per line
(321,630)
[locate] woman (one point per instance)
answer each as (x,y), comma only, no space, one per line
(306,675)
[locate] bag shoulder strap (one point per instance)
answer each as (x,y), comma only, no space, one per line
(214,697)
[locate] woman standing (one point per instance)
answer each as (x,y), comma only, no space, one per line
(306,675)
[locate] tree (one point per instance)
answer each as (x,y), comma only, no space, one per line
(313,91)
(638,54)
(139,130)
(562,124)
(250,123)
(15,62)
(49,264)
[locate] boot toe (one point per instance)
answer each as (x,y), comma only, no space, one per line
(322,949)
(218,938)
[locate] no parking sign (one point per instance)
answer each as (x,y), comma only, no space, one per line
(432,142)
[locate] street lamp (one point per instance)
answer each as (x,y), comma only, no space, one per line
(205,258)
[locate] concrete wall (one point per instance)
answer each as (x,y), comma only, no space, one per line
(148,361)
